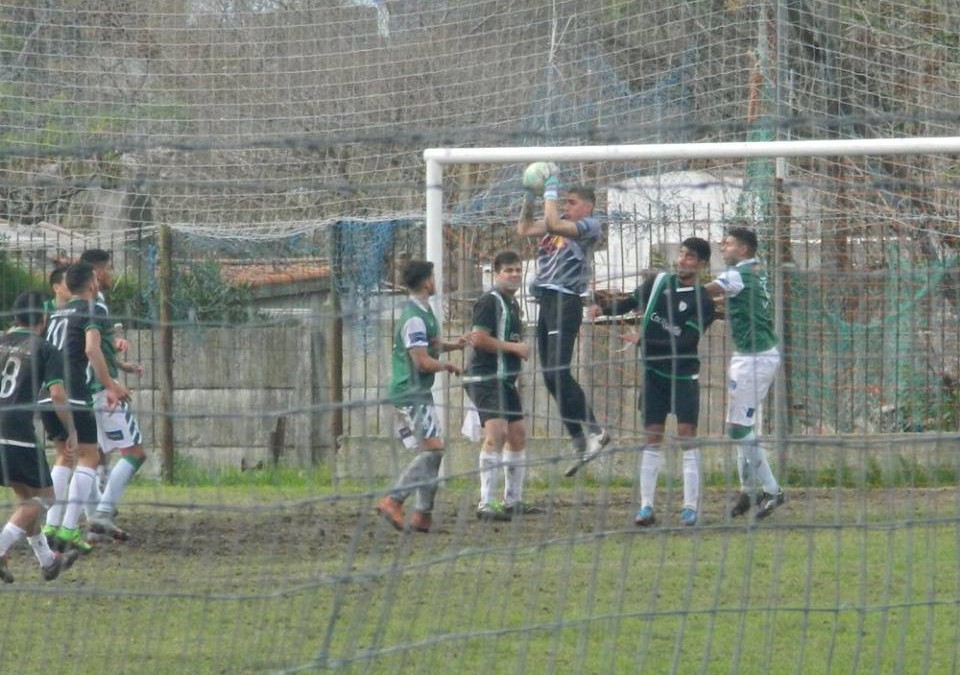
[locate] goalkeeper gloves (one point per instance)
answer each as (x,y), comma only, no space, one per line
(551,187)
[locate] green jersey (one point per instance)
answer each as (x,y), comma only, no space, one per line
(417,327)
(749,309)
(106,346)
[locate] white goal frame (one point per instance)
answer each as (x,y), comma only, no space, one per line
(437,158)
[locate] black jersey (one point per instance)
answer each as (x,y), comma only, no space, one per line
(499,315)
(67,331)
(29,364)
(674,318)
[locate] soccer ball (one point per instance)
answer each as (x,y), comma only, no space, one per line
(535,174)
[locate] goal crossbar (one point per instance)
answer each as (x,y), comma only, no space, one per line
(436,158)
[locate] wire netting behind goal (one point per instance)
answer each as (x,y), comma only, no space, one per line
(256,170)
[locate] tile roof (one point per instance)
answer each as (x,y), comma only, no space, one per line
(258,273)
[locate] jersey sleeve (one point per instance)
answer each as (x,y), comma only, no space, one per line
(731,282)
(414,333)
(634,301)
(485,314)
(588,229)
(52,363)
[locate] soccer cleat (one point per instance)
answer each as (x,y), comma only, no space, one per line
(493,512)
(644,517)
(72,539)
(595,443)
(50,532)
(522,509)
(420,521)
(767,503)
(5,575)
(574,466)
(688,517)
(61,563)
(741,506)
(102,524)
(392,511)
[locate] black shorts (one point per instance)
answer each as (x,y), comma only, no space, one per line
(53,426)
(26,465)
(496,400)
(663,395)
(86,423)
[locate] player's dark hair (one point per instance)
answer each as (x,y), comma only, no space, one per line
(745,236)
(95,256)
(505,258)
(699,246)
(56,276)
(583,192)
(416,272)
(28,309)
(79,275)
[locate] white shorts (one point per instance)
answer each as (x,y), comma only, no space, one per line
(750,378)
(414,423)
(117,429)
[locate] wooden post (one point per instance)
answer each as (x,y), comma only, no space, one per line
(165,429)
(278,438)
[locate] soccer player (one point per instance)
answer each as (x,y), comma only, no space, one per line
(416,350)
(76,331)
(491,381)
(63,463)
(568,237)
(676,312)
(753,366)
(117,428)
(29,364)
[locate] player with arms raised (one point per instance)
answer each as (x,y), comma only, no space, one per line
(567,238)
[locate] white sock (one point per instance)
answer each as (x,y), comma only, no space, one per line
(747,461)
(80,486)
(691,478)
(61,484)
(753,466)
(514,470)
(117,483)
(90,505)
(765,473)
(489,466)
(9,536)
(651,460)
(41,549)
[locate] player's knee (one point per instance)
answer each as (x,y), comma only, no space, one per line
(43,501)
(136,452)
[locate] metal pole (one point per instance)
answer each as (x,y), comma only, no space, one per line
(165,331)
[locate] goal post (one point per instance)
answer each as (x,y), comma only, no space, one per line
(437,158)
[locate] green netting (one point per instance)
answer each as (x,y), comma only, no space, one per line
(861,343)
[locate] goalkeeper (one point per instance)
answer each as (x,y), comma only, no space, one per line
(568,237)
(676,312)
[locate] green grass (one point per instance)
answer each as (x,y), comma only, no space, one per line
(240,577)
